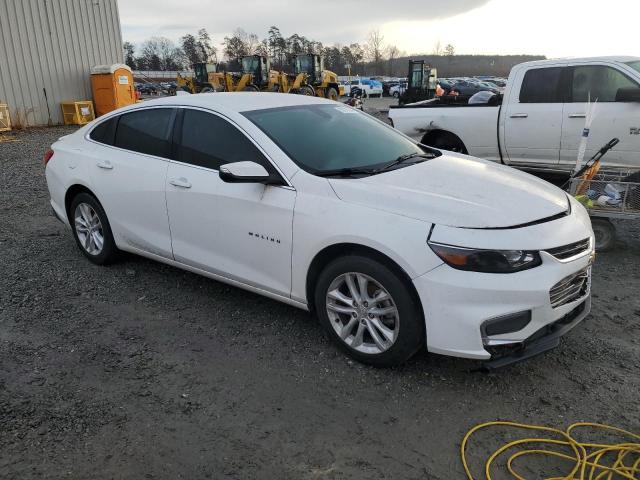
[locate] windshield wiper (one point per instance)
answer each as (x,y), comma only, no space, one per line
(403,158)
(346,172)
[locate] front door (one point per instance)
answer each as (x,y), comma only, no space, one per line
(533,121)
(242,231)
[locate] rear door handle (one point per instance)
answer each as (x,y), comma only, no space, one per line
(520,115)
(577,115)
(180,182)
(106,165)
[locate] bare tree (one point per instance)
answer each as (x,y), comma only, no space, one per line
(437,48)
(374,49)
(393,52)
(449,50)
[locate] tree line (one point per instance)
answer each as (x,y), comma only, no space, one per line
(373,57)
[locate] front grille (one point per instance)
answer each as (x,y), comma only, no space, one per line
(570,288)
(571,250)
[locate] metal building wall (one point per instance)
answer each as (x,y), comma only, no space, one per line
(49,46)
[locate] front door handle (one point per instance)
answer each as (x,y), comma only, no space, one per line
(180,182)
(577,115)
(106,165)
(520,115)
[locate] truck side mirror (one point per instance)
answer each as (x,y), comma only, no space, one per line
(631,94)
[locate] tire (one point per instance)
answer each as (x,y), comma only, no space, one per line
(605,234)
(251,88)
(332,94)
(307,90)
(447,141)
(207,90)
(403,332)
(85,207)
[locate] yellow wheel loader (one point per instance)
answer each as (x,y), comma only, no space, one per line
(312,79)
(206,78)
(257,76)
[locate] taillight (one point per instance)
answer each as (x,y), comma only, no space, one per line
(47,156)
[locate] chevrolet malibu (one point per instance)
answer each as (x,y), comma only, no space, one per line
(393,245)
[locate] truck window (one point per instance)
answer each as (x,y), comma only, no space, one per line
(598,82)
(541,85)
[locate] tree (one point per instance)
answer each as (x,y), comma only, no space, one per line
(235,46)
(374,49)
(209,53)
(160,53)
(191,49)
(129,55)
(437,48)
(449,50)
(393,52)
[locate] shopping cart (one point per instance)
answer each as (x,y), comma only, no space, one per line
(607,193)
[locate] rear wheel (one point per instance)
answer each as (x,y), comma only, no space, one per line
(369,311)
(251,88)
(332,94)
(605,234)
(446,141)
(91,229)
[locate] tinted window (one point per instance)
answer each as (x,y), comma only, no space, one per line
(541,85)
(598,83)
(210,141)
(105,132)
(341,137)
(146,131)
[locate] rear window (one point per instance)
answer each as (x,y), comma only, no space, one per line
(541,85)
(105,131)
(146,131)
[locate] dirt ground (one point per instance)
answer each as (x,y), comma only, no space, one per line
(140,370)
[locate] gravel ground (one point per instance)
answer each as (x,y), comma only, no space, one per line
(140,370)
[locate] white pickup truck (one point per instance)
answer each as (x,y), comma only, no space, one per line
(538,122)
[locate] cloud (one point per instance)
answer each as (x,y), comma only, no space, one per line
(330,21)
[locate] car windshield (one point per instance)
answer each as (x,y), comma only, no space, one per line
(329,138)
(250,64)
(635,65)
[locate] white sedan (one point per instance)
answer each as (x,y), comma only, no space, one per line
(394,245)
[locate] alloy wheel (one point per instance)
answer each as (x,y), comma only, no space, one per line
(362,313)
(89,229)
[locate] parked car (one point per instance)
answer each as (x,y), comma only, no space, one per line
(393,245)
(542,116)
(470,87)
(396,90)
(368,87)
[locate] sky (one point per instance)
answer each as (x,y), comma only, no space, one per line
(555,28)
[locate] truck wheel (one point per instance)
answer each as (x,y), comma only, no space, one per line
(251,88)
(605,234)
(446,141)
(332,94)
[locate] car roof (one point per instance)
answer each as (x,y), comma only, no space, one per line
(612,58)
(237,101)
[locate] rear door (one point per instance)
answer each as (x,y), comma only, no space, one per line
(600,84)
(533,122)
(128,170)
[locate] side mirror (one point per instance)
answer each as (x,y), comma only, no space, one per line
(245,172)
(631,94)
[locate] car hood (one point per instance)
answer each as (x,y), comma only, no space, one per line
(457,191)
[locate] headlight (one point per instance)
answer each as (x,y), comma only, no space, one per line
(486,261)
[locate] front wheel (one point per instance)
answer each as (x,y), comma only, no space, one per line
(91,229)
(369,311)
(332,94)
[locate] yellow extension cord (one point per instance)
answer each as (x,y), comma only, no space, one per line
(589,459)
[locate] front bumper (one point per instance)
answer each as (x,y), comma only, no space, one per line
(456,304)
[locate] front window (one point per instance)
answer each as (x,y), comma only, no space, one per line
(341,138)
(250,64)
(304,64)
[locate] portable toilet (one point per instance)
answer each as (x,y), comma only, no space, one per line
(112,87)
